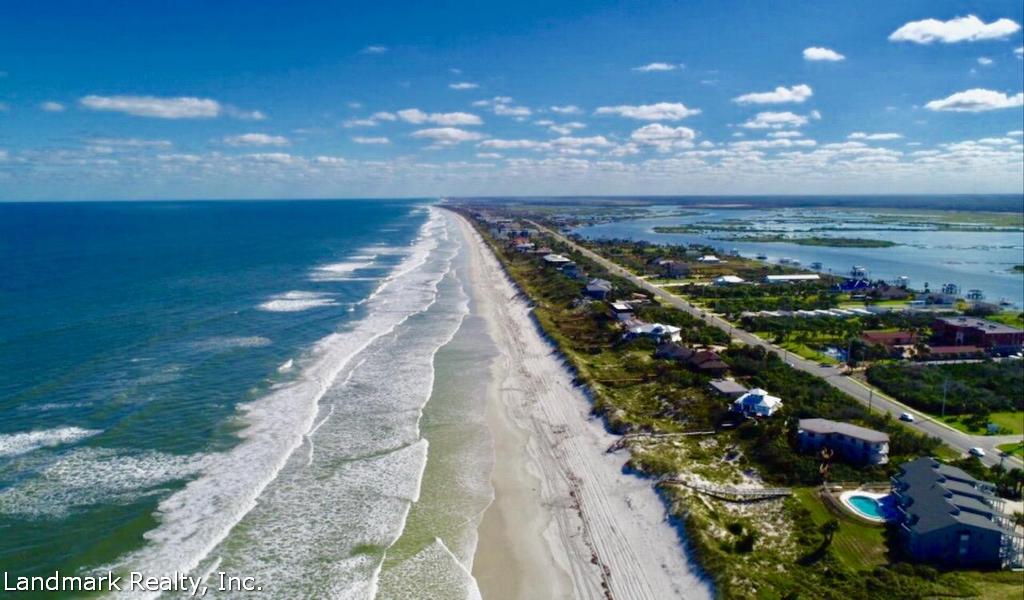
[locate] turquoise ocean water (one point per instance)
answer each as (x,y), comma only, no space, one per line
(280,390)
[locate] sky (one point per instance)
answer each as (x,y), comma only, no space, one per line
(190,99)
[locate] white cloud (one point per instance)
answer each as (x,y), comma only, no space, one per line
(797,93)
(976,100)
(370,140)
(488,155)
(818,53)
(785,134)
(960,29)
(463,85)
(985,61)
(661,111)
(151,106)
(773,144)
(359,123)
(446,136)
(512,111)
(375,49)
(417,117)
(383,116)
(502,106)
(1019,52)
(1015,133)
(568,109)
(565,128)
(656,66)
(52,106)
(255,139)
(130,142)
(244,115)
(513,144)
(860,135)
(775,120)
(663,137)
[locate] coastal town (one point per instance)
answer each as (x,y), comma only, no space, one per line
(816,434)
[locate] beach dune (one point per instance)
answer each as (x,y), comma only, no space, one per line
(566,521)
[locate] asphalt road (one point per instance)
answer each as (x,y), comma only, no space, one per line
(863,393)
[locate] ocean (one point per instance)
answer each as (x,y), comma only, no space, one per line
(282,390)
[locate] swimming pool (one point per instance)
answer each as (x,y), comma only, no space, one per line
(871,506)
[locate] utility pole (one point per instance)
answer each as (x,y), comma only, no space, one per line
(871,398)
(945,386)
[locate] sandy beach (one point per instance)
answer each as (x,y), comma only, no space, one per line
(565,521)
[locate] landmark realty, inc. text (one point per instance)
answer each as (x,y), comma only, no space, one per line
(130,582)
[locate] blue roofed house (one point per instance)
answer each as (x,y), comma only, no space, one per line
(952,519)
(599,288)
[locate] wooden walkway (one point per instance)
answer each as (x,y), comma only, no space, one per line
(629,437)
(731,494)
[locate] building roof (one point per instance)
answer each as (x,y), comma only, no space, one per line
(556,259)
(620,306)
(825,426)
(941,496)
(675,351)
(602,285)
(796,277)
(709,258)
(889,338)
(729,279)
(980,324)
(727,386)
(654,329)
(759,397)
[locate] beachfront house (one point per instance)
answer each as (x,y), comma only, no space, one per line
(708,362)
(949,518)
(725,280)
(852,443)
(656,331)
(796,278)
(757,403)
(599,289)
(727,388)
(571,269)
(672,269)
(623,311)
(556,260)
(710,259)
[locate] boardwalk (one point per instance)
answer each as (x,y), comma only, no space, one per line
(630,437)
(731,494)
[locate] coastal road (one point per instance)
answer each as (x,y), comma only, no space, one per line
(863,393)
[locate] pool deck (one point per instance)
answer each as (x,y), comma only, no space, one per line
(844,499)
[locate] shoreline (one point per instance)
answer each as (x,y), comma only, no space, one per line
(566,520)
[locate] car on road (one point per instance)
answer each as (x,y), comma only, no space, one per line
(909,418)
(976,451)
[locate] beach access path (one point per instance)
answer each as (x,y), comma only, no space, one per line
(566,521)
(861,392)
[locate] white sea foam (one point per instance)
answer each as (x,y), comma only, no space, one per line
(296,301)
(286,366)
(217,344)
(90,476)
(14,444)
(341,271)
(196,519)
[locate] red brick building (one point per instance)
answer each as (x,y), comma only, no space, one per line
(972,331)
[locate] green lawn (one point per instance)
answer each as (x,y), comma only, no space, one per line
(1011,318)
(860,547)
(1012,422)
(1016,448)
(803,351)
